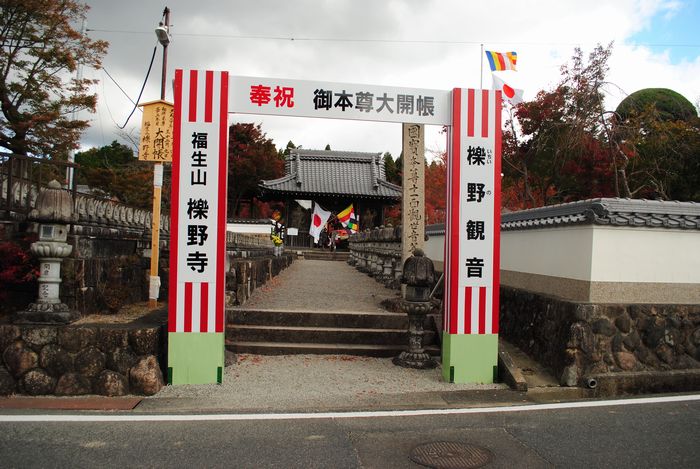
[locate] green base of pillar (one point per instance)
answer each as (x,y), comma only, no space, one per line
(470,358)
(195,358)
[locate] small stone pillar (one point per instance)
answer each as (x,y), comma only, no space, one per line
(54,212)
(388,268)
(419,276)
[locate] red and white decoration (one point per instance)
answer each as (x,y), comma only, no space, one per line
(472,245)
(318,221)
(512,94)
(198,206)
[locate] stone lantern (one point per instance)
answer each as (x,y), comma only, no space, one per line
(419,277)
(54,212)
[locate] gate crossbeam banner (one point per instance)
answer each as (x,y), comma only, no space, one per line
(198,228)
(196,310)
(328,100)
(472,243)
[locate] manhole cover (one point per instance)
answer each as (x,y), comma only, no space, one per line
(450,455)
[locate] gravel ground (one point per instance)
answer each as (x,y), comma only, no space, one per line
(291,382)
(313,381)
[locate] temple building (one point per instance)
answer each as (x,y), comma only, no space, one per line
(334,180)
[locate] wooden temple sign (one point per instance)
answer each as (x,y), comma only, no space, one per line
(156,143)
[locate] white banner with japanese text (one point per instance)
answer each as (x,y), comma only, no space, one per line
(472,252)
(198,205)
(303,98)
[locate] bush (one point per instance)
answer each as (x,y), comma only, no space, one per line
(19,270)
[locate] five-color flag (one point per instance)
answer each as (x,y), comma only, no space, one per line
(501,60)
(348,219)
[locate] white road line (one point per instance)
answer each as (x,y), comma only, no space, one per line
(341,415)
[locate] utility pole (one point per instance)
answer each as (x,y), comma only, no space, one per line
(163,34)
(74,116)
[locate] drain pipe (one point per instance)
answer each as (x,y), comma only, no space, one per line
(591,382)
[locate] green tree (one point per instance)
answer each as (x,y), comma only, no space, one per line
(41,50)
(393,172)
(669,105)
(287,150)
(658,132)
(112,171)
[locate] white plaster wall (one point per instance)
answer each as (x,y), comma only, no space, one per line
(435,248)
(626,254)
(557,252)
(248,228)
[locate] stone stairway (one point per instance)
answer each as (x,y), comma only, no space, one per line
(322,255)
(280,332)
(319,307)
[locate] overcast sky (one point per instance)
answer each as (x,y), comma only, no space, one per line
(410,43)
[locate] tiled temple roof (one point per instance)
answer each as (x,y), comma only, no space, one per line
(608,211)
(613,212)
(310,173)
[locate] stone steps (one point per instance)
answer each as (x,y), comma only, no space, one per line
(379,319)
(322,335)
(296,348)
(323,255)
(379,334)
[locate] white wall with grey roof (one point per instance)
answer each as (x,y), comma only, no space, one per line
(604,264)
(600,251)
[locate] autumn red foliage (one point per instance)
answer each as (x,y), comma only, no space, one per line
(17,267)
(252,157)
(435,190)
(435,195)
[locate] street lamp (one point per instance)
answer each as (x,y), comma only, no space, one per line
(163,34)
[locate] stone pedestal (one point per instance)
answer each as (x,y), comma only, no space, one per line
(54,210)
(419,275)
(415,357)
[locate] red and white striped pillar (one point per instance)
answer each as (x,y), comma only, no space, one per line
(196,310)
(472,245)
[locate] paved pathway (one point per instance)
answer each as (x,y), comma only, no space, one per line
(312,285)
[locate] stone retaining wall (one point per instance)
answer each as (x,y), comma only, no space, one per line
(577,340)
(247,274)
(377,253)
(109,360)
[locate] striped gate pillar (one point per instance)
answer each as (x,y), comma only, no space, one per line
(198,228)
(472,246)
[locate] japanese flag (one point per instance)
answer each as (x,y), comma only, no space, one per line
(513,95)
(318,221)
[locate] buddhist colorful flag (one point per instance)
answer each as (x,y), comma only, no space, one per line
(501,60)
(514,95)
(348,219)
(318,221)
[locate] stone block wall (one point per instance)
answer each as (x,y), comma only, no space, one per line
(109,360)
(105,284)
(247,274)
(577,340)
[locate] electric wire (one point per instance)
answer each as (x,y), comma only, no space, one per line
(118,86)
(374,40)
(150,66)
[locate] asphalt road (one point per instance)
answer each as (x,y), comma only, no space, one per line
(655,435)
